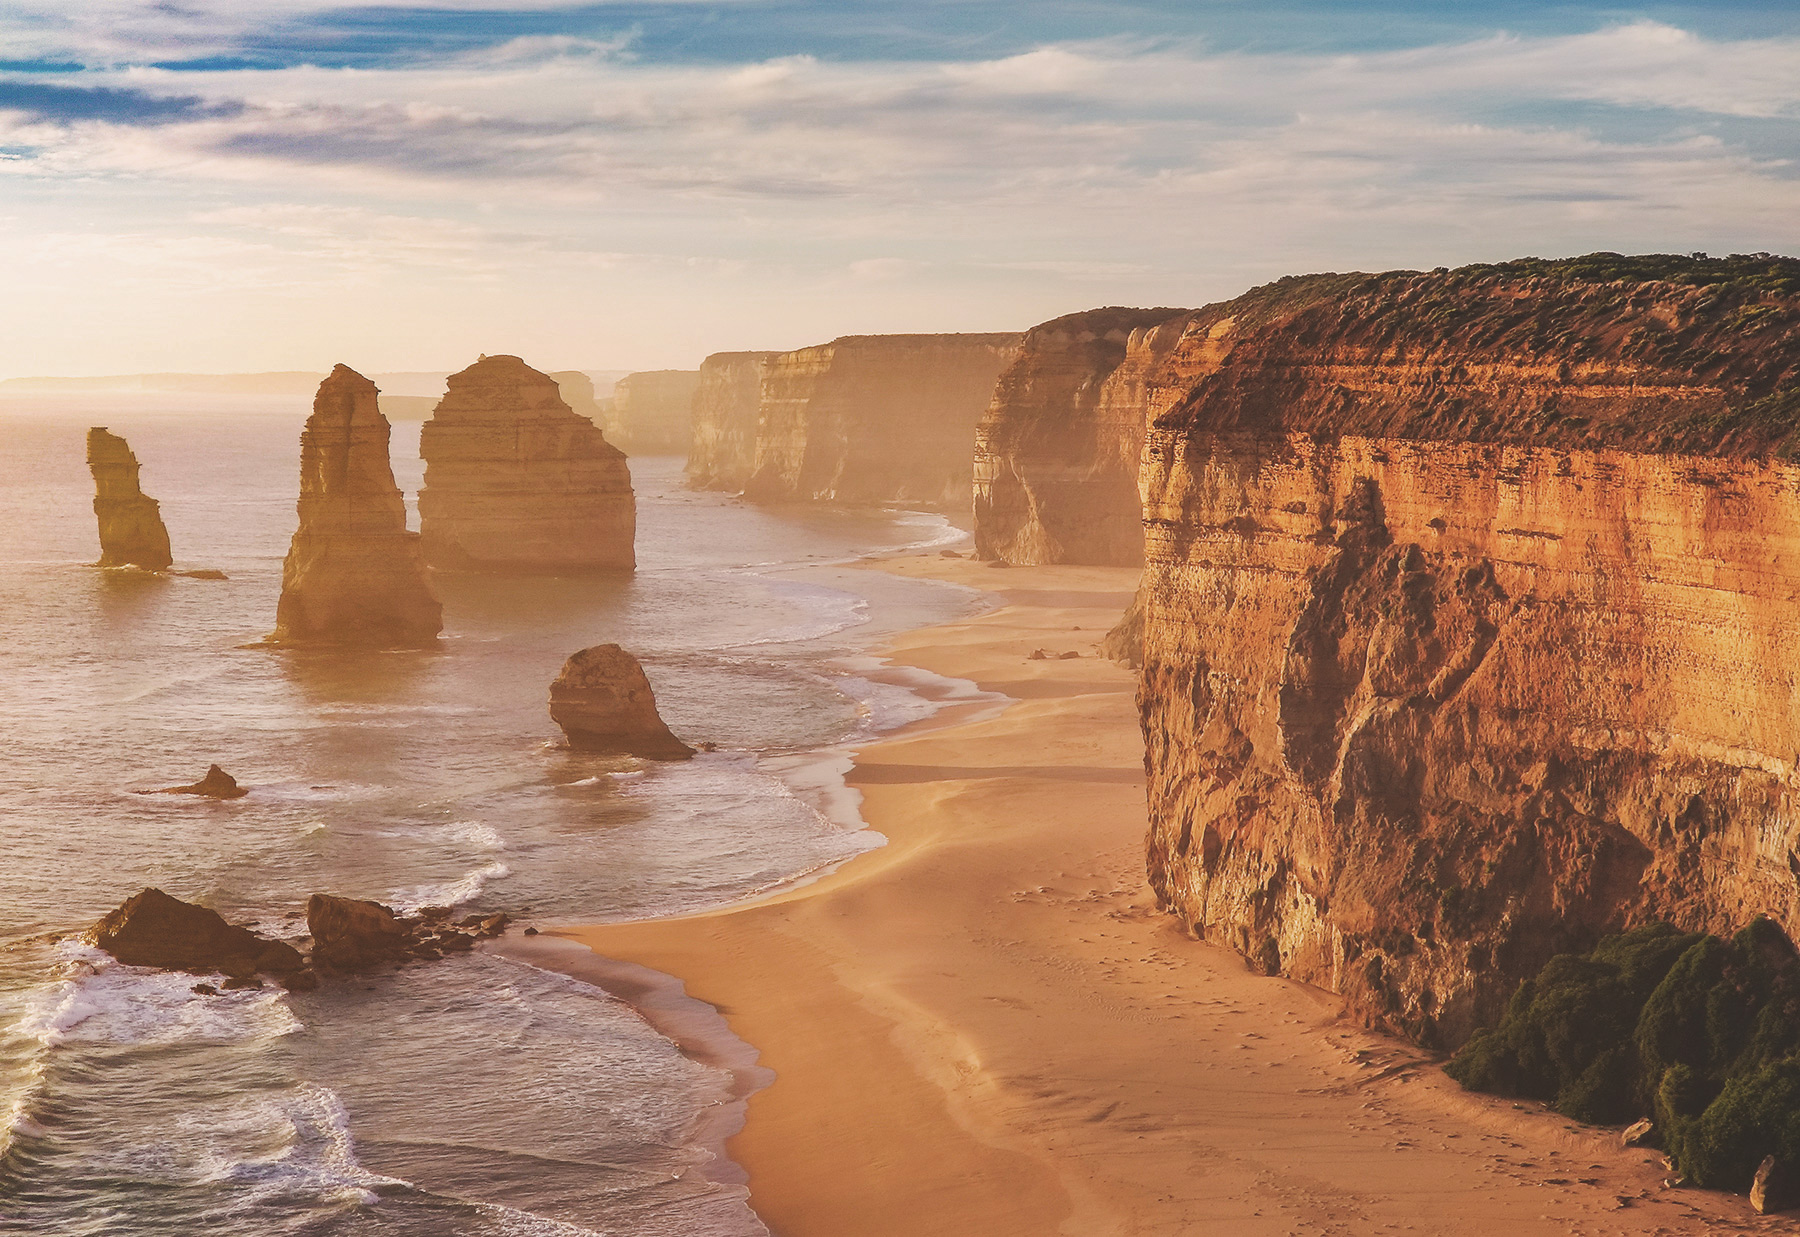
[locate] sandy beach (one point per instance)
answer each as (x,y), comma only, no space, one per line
(986,1027)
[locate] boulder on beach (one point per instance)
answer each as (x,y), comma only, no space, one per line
(604,703)
(217,784)
(154,929)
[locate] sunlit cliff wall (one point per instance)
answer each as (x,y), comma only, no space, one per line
(1471,609)
(727,394)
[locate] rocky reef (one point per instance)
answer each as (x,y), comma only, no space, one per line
(651,413)
(217,784)
(1467,608)
(353,935)
(516,482)
(1056,452)
(354,575)
(875,418)
(727,395)
(154,929)
(603,702)
(131,527)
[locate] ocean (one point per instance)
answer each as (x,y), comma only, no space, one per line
(473,1096)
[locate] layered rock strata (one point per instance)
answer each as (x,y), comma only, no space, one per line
(1469,600)
(354,575)
(876,418)
(727,394)
(603,702)
(651,413)
(131,528)
(1056,452)
(516,482)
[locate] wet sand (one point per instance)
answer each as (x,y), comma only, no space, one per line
(986,1028)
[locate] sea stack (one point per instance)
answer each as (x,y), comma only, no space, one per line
(651,413)
(131,527)
(516,482)
(722,454)
(354,574)
(604,703)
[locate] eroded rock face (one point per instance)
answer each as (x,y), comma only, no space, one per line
(354,574)
(154,929)
(727,394)
(603,702)
(516,482)
(652,412)
(1467,605)
(131,527)
(1056,453)
(875,418)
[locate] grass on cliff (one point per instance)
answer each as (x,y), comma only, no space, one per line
(1696,1032)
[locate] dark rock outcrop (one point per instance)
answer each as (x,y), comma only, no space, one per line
(153,929)
(1056,452)
(876,418)
(354,574)
(131,527)
(603,702)
(1466,599)
(352,935)
(727,396)
(516,482)
(651,413)
(217,784)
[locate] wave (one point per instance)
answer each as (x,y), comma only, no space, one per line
(465,888)
(316,1159)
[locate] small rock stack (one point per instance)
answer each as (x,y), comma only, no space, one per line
(131,528)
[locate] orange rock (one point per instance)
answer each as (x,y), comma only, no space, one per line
(728,391)
(131,528)
(652,412)
(604,703)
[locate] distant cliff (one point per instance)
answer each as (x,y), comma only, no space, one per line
(516,482)
(1469,609)
(353,574)
(1056,453)
(726,398)
(875,418)
(651,413)
(131,527)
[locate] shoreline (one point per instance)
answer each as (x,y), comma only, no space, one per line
(985,1026)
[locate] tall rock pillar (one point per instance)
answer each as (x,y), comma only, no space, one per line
(131,527)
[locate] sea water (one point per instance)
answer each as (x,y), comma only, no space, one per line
(476,1095)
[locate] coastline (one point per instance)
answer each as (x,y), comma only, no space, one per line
(985,1026)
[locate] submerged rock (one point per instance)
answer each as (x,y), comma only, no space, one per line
(217,784)
(131,527)
(354,574)
(604,703)
(154,929)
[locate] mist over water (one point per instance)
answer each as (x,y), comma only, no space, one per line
(472,1096)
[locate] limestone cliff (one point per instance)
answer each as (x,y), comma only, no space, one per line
(354,574)
(875,418)
(1469,604)
(516,482)
(131,527)
(1056,453)
(652,412)
(726,398)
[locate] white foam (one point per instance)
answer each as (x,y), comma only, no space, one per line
(317,1156)
(467,834)
(103,1002)
(465,888)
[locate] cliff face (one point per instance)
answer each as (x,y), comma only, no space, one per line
(1468,603)
(652,412)
(516,482)
(353,574)
(577,391)
(1056,452)
(131,527)
(875,418)
(726,397)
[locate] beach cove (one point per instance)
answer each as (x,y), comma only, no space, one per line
(987,1027)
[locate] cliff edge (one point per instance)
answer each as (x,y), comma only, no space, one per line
(1467,606)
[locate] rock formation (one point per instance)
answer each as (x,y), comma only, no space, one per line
(651,413)
(351,935)
(1469,604)
(1056,453)
(516,482)
(154,929)
(131,527)
(727,394)
(876,418)
(217,784)
(354,574)
(577,391)
(604,703)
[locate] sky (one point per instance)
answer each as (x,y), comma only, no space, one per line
(284,184)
